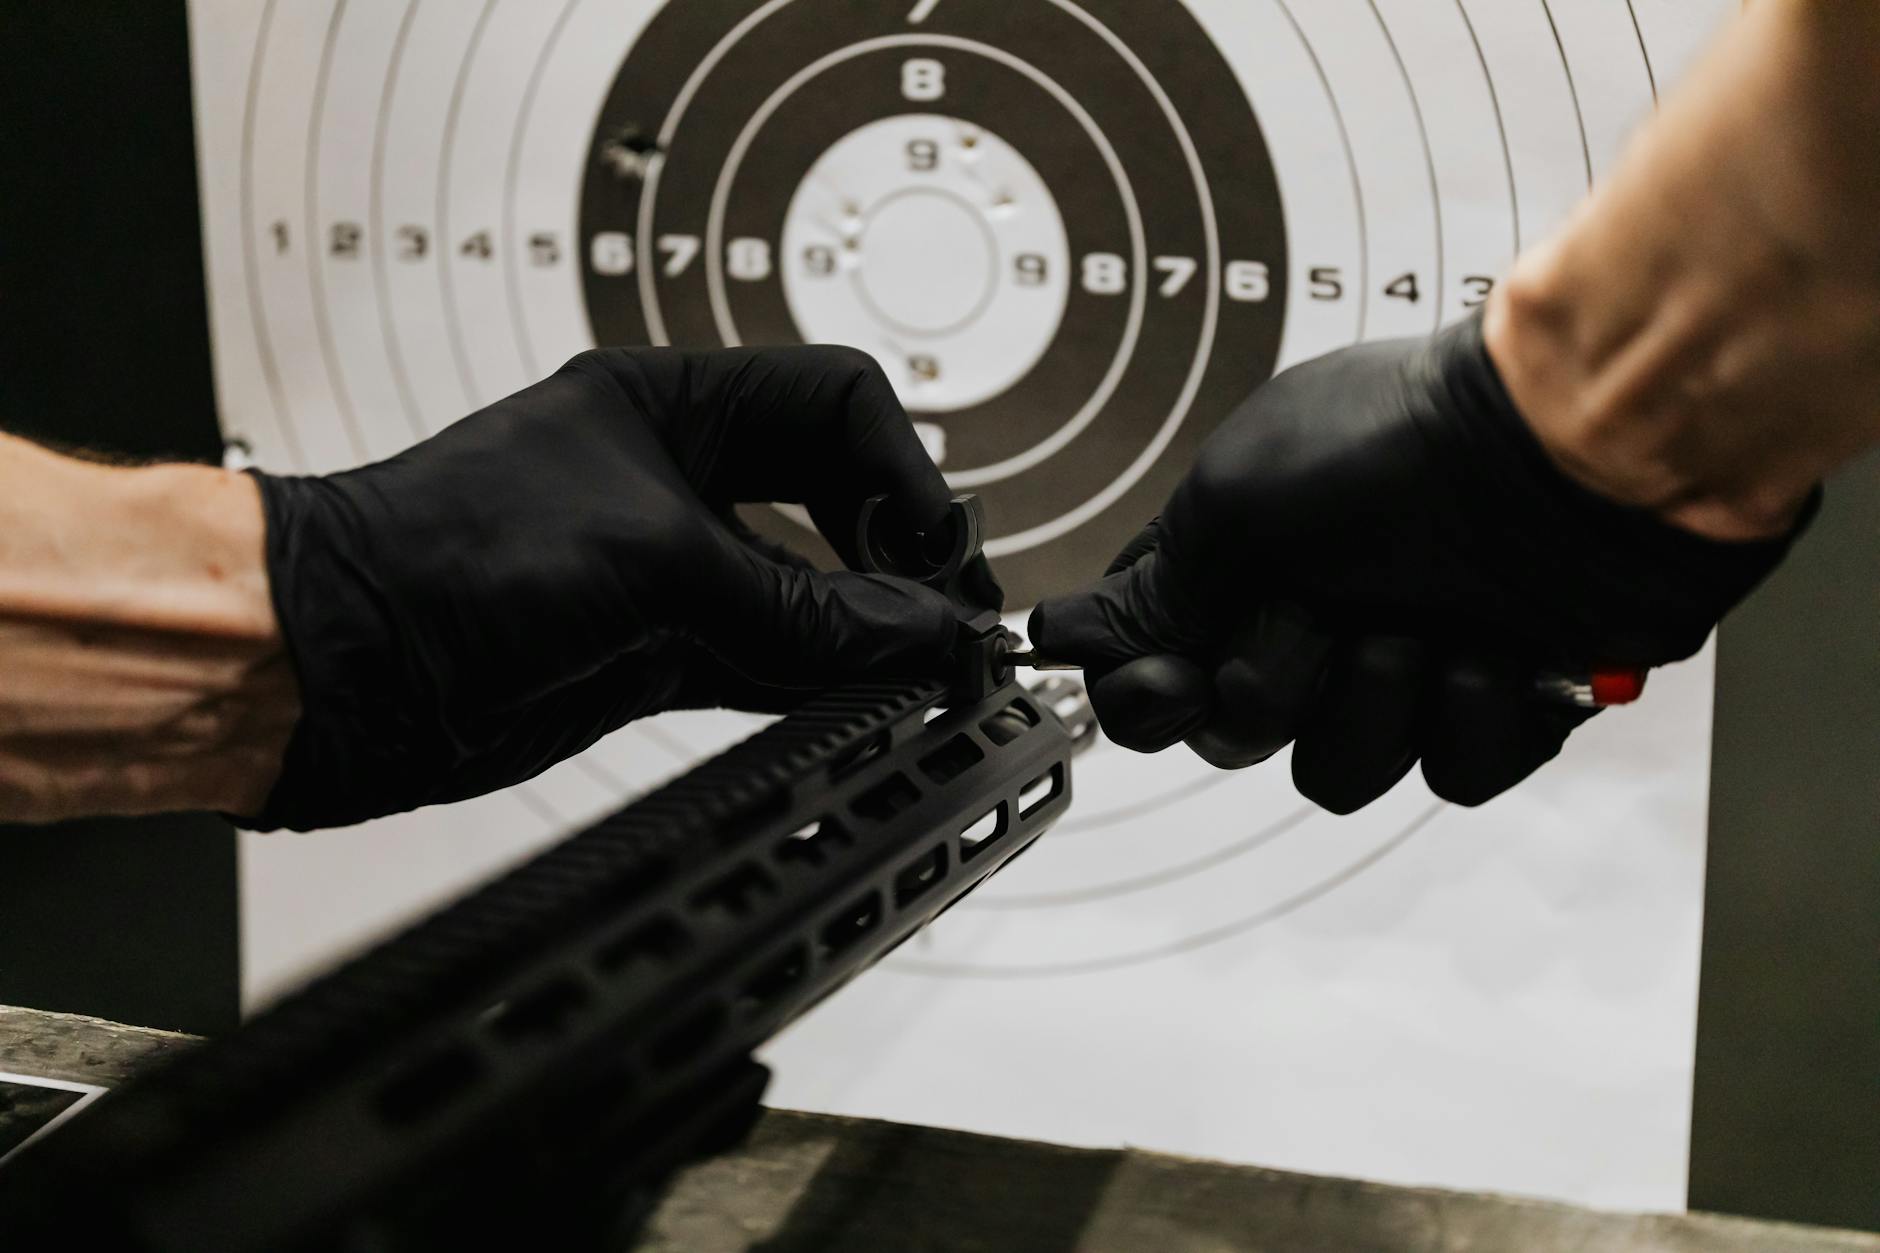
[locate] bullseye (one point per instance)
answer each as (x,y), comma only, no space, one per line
(927,262)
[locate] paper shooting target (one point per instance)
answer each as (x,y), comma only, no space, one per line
(1075,232)
(1007,204)
(1068,230)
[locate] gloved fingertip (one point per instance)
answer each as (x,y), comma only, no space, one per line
(1228,751)
(1359,739)
(1459,785)
(1487,731)
(1331,794)
(1076,628)
(1038,624)
(1138,612)
(1151,703)
(1339,785)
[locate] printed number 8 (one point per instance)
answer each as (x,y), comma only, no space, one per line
(1105,273)
(923,78)
(748,259)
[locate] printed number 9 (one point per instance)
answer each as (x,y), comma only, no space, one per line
(820,260)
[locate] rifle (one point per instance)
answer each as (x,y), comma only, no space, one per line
(533,1061)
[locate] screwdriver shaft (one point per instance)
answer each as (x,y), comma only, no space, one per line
(1029,658)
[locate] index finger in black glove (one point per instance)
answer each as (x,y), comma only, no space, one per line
(1142,656)
(1160,670)
(818,425)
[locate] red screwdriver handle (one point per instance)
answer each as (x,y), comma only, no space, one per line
(1595,688)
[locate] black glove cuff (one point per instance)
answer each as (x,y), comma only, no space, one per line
(1662,573)
(362,701)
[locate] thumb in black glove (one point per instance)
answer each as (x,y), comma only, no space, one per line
(1374,558)
(490,601)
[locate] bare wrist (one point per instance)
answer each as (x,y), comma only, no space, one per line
(1702,339)
(1645,425)
(188,553)
(145,668)
(238,731)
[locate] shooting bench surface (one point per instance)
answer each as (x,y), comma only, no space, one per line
(805,1182)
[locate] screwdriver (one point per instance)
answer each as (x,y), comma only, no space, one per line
(1596,688)
(937,560)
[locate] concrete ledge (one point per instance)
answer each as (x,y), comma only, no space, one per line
(808,1183)
(80,1049)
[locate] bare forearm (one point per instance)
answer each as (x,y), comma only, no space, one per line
(142,667)
(1703,338)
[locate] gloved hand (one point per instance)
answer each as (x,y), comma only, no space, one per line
(1373,556)
(486,603)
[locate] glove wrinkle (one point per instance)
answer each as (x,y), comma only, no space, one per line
(1141,545)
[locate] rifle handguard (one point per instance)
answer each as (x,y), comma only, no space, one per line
(536,1057)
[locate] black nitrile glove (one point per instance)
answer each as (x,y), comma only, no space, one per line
(477,608)
(1374,556)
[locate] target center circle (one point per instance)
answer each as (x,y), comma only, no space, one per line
(934,244)
(929,262)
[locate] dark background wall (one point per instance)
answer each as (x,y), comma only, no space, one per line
(104,344)
(1786,1117)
